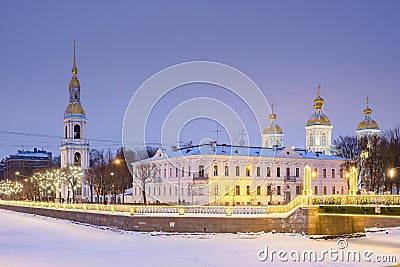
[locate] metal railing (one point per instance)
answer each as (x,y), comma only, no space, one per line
(290,178)
(197,176)
(360,200)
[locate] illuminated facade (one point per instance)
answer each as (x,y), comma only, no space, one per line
(237,175)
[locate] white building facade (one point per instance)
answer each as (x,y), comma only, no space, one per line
(237,175)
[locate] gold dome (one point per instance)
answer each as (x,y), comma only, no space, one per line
(318,119)
(74,108)
(368,124)
(272,116)
(273,129)
(318,102)
(74,82)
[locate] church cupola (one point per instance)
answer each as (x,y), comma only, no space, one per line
(368,126)
(272,134)
(319,128)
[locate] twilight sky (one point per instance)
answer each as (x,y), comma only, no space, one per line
(351,48)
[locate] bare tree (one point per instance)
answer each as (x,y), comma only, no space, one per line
(144,172)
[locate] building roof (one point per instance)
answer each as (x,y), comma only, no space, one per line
(231,150)
(26,154)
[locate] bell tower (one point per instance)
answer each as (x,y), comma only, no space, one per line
(75,147)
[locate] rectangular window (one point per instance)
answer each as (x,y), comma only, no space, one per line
(258,171)
(333,173)
(333,190)
(297,172)
(226,189)
(170,172)
(315,173)
(316,190)
(201,191)
(269,190)
(165,173)
(215,190)
(325,190)
(341,173)
(215,170)
(176,171)
(170,190)
(278,172)
(201,170)
(189,174)
(183,171)
(324,173)
(258,190)
(237,171)
(297,190)
(226,170)
(237,190)
(268,171)
(287,172)
(248,190)
(342,190)
(278,190)
(248,170)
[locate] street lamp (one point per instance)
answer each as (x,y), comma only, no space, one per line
(392,174)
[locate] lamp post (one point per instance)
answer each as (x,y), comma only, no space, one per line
(26,180)
(392,174)
(112,179)
(118,162)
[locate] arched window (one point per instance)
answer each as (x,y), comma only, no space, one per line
(324,139)
(77,131)
(278,143)
(310,139)
(77,159)
(66,132)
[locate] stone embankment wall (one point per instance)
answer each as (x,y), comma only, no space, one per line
(306,220)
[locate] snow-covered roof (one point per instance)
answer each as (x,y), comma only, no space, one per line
(26,154)
(231,150)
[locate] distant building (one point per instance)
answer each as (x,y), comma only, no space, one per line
(26,162)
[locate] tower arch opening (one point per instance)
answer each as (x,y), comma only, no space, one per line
(77,131)
(77,159)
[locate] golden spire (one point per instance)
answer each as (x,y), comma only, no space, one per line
(74,68)
(273,115)
(319,90)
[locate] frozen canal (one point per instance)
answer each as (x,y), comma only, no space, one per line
(28,240)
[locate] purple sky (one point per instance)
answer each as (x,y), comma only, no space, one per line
(351,48)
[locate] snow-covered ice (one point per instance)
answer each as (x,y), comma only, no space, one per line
(30,240)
